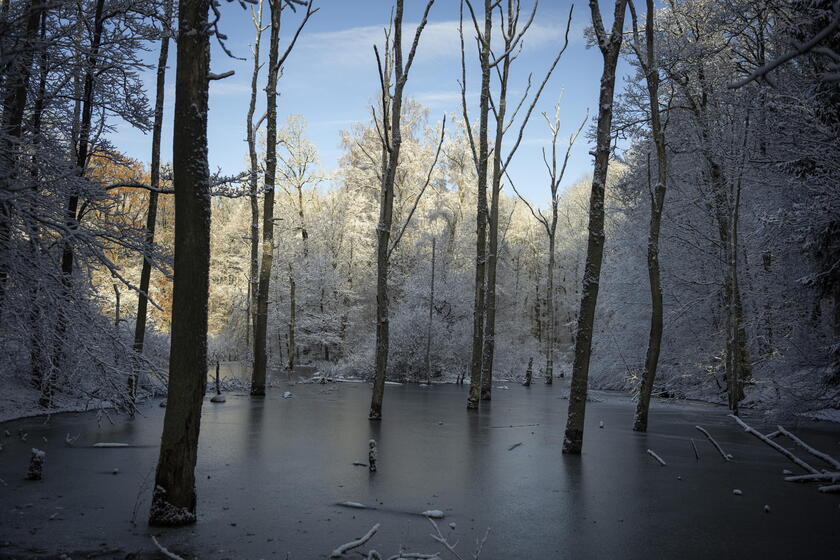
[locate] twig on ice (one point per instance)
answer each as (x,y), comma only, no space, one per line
(694,447)
(829,489)
(824,477)
(815,452)
(715,443)
(776,446)
(164,551)
(657,457)
(346,547)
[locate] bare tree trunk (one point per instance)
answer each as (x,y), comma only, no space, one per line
(260,358)
(479,314)
(292,320)
(392,140)
(253,180)
(610,47)
(489,345)
(151,214)
(657,201)
(429,325)
(174,498)
(549,302)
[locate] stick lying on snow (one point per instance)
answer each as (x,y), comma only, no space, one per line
(815,452)
(775,446)
(715,443)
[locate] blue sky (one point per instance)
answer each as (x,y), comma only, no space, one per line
(331,80)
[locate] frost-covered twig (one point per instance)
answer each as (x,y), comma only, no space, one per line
(833,488)
(815,452)
(346,547)
(694,447)
(442,540)
(657,457)
(723,454)
(164,551)
(775,446)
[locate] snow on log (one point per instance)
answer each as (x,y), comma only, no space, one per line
(723,454)
(164,551)
(835,464)
(775,446)
(822,477)
(346,547)
(832,488)
(354,505)
(657,457)
(433,513)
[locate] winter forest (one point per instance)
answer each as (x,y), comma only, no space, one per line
(424,279)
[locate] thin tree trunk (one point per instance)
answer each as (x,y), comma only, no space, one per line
(489,343)
(260,358)
(657,201)
(610,48)
(429,325)
(253,179)
(549,301)
(479,313)
(174,497)
(392,140)
(151,213)
(292,320)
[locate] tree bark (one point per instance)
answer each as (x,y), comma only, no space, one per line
(151,214)
(429,325)
(260,358)
(610,48)
(657,201)
(253,180)
(481,218)
(292,321)
(174,498)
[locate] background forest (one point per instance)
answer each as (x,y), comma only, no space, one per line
(750,227)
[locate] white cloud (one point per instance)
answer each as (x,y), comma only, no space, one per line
(440,41)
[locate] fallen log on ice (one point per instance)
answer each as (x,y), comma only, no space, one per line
(825,457)
(775,446)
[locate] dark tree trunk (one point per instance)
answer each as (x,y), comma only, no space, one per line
(292,322)
(479,312)
(174,498)
(260,331)
(657,201)
(253,182)
(151,214)
(610,47)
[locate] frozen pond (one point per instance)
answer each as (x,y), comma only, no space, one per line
(271,471)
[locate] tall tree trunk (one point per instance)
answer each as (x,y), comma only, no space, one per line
(391,143)
(260,358)
(479,314)
(657,201)
(253,178)
(16,84)
(489,345)
(151,213)
(174,498)
(610,48)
